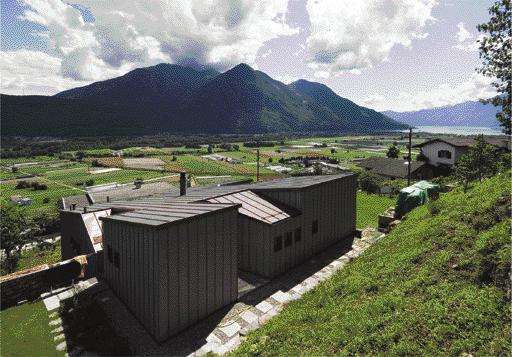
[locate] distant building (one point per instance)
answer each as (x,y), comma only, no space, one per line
(447,152)
(396,168)
(174,258)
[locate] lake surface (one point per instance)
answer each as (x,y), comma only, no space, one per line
(458,130)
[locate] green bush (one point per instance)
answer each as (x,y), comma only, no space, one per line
(369,182)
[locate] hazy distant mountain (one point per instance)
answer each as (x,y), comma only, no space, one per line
(177,99)
(463,114)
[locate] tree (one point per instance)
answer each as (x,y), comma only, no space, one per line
(479,162)
(317,169)
(495,52)
(16,231)
(270,160)
(393,151)
(333,150)
(210,149)
(369,182)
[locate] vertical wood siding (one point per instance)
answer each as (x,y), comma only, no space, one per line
(332,203)
(172,277)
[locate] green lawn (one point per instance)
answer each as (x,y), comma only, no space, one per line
(39,256)
(436,285)
(26,333)
(369,206)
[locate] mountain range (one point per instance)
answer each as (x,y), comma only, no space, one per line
(463,114)
(176,99)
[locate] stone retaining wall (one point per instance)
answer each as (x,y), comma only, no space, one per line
(29,284)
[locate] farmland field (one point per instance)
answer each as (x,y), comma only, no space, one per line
(65,177)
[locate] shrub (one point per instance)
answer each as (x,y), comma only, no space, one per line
(36,186)
(89,182)
(369,182)
(22,184)
(46,200)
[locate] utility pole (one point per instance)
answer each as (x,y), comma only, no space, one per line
(409,159)
(258,165)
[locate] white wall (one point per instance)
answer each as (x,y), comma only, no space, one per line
(431,152)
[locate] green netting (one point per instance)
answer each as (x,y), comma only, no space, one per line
(414,196)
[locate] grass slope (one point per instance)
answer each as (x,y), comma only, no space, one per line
(436,285)
(369,206)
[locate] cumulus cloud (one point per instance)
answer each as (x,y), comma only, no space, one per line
(286,78)
(475,88)
(32,72)
(347,35)
(466,41)
(215,33)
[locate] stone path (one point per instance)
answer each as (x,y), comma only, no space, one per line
(228,335)
(224,330)
(52,301)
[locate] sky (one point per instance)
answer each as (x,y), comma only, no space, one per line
(400,55)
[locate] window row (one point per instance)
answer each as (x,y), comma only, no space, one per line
(288,240)
(444,154)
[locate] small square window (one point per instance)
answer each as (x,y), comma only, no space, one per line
(116,259)
(314,227)
(289,239)
(298,234)
(109,253)
(278,243)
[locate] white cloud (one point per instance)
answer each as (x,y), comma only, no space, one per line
(128,34)
(466,40)
(475,88)
(348,35)
(32,72)
(286,78)
(266,53)
(321,74)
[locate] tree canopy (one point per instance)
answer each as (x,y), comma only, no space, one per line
(496,52)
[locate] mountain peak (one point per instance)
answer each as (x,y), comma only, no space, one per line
(242,68)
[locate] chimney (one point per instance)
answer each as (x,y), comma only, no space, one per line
(183,183)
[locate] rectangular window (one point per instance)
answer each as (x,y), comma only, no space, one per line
(289,239)
(298,234)
(444,154)
(109,253)
(278,243)
(116,259)
(314,227)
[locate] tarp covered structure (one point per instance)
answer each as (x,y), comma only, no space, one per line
(414,196)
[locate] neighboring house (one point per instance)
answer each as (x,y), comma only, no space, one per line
(396,168)
(174,258)
(447,152)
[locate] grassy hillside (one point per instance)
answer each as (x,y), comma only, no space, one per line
(436,285)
